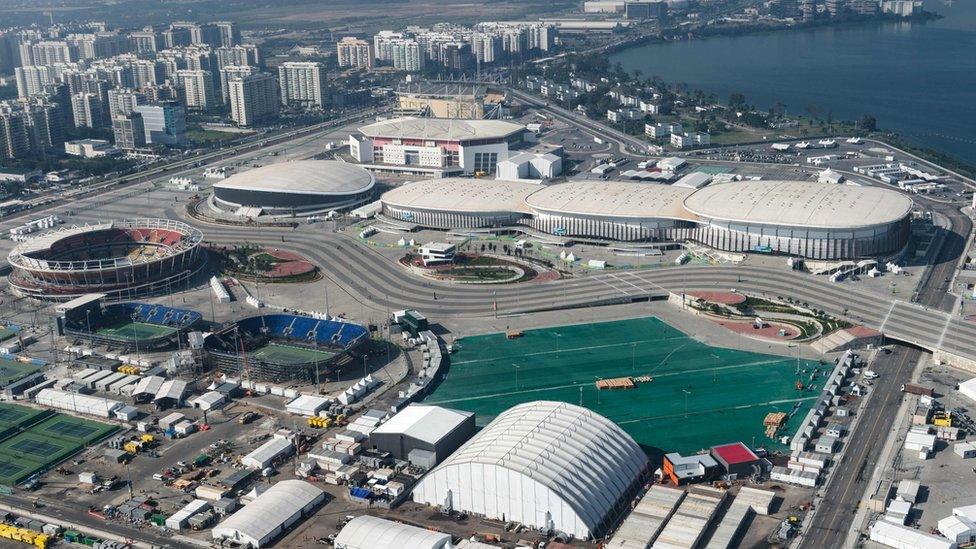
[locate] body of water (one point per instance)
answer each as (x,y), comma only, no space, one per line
(918,79)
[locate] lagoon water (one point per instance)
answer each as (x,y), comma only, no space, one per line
(918,79)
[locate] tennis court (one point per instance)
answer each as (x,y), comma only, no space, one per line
(289,354)
(698,395)
(74,429)
(37,440)
(12,370)
(126,330)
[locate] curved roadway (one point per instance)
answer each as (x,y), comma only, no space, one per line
(370,277)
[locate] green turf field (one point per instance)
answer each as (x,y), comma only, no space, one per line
(699,396)
(288,354)
(12,370)
(135,331)
(33,440)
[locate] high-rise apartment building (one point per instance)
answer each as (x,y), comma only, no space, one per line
(253,97)
(353,52)
(87,110)
(302,84)
(198,89)
(32,80)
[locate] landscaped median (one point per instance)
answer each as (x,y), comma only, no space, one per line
(780,319)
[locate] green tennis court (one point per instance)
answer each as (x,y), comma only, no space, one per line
(38,451)
(289,354)
(12,370)
(127,330)
(698,395)
(74,429)
(36,440)
(14,415)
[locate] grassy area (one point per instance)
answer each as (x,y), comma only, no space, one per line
(699,395)
(200,135)
(288,354)
(135,331)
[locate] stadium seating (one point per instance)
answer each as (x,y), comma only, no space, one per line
(302,328)
(154,314)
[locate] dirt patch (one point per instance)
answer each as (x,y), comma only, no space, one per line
(722,298)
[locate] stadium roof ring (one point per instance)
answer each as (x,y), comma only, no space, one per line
(121,259)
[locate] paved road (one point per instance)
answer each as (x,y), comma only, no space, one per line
(178,167)
(374,279)
(832,520)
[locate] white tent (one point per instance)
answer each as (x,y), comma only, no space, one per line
(968,389)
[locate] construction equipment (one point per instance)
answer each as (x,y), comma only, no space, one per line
(942,418)
(319,422)
(24,535)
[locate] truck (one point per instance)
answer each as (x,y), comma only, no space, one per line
(916,389)
(247,417)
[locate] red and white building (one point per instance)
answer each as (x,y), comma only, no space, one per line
(436,147)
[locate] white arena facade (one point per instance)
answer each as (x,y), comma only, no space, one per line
(294,188)
(811,220)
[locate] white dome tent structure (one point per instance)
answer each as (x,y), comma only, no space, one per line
(548,465)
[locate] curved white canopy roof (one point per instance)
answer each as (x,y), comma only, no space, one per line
(540,461)
(368,532)
(260,520)
(327,177)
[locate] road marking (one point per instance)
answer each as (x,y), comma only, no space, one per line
(945,328)
(885,321)
(639,289)
(600,279)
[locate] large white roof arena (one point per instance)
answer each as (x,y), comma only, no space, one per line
(799,203)
(545,464)
(800,218)
(441,129)
(612,199)
(458,194)
(302,176)
(290,188)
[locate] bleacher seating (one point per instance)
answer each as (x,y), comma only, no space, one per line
(302,328)
(154,314)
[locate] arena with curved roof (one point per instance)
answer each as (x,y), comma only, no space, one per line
(822,221)
(548,465)
(799,218)
(294,188)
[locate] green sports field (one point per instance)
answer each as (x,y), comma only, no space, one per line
(12,370)
(34,440)
(699,395)
(134,331)
(288,354)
